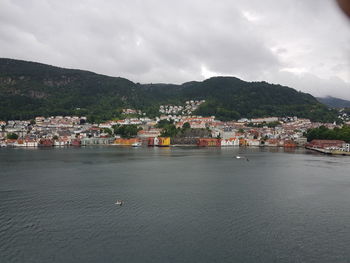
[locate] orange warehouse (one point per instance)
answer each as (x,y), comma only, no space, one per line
(209,142)
(126,142)
(242,142)
(289,144)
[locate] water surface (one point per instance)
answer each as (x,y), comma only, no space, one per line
(181,205)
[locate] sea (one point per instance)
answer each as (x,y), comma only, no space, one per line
(180,204)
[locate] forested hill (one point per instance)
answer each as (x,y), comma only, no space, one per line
(29,89)
(334,102)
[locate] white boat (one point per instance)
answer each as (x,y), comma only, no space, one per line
(242,157)
(136,144)
(119,202)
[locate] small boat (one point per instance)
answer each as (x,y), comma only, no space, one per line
(136,144)
(242,157)
(119,202)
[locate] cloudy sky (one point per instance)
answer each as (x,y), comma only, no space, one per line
(304,44)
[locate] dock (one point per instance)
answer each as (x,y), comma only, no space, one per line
(330,152)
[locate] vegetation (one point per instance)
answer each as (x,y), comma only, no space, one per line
(164,123)
(12,136)
(126,131)
(334,102)
(170,131)
(346,110)
(324,133)
(107,131)
(29,89)
(186,125)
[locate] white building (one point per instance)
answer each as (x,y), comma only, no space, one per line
(230,142)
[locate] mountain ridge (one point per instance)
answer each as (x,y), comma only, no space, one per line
(334,102)
(29,89)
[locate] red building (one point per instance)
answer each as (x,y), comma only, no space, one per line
(150,141)
(76,142)
(325,143)
(209,142)
(45,143)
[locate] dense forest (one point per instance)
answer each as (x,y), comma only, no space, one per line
(29,89)
(329,134)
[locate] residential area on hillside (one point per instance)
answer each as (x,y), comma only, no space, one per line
(165,130)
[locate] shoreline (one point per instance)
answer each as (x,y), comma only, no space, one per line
(328,152)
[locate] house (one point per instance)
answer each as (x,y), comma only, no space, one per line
(163,141)
(271,142)
(267,120)
(208,142)
(252,142)
(289,144)
(19,143)
(324,144)
(230,142)
(31,143)
(150,133)
(45,143)
(301,141)
(346,147)
(25,143)
(126,142)
(96,140)
(62,141)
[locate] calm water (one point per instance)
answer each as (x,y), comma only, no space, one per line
(181,205)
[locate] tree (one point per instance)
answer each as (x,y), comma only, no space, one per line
(170,131)
(324,133)
(164,123)
(108,131)
(186,125)
(12,136)
(126,131)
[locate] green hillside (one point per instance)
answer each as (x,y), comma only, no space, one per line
(334,102)
(29,89)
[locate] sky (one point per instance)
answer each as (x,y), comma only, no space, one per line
(304,44)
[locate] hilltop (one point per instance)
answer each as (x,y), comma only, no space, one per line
(29,89)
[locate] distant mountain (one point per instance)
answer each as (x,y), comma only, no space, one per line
(334,102)
(29,89)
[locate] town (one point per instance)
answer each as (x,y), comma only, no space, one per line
(174,127)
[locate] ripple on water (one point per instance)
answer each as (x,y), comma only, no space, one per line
(181,205)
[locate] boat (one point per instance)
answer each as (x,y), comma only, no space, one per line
(136,144)
(242,157)
(119,202)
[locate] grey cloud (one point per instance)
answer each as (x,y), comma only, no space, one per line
(171,41)
(312,84)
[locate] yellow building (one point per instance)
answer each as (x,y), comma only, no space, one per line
(164,141)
